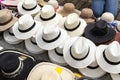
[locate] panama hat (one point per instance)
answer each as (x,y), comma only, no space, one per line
(32,46)
(93,70)
(10,37)
(48,16)
(78,52)
(15,65)
(28,7)
(99,32)
(50,37)
(87,15)
(115,76)
(74,25)
(26,27)
(108,57)
(56,55)
(41,3)
(50,71)
(67,9)
(6,19)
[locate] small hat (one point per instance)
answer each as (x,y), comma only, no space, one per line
(87,15)
(99,32)
(41,3)
(115,76)
(67,9)
(50,37)
(108,57)
(32,46)
(48,16)
(26,27)
(74,25)
(6,19)
(10,37)
(28,7)
(15,65)
(50,71)
(78,52)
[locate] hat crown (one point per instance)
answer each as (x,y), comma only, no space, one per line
(113,52)
(79,48)
(47,11)
(54,3)
(72,21)
(86,13)
(33,39)
(5,15)
(28,4)
(69,7)
(11,30)
(25,22)
(94,63)
(59,49)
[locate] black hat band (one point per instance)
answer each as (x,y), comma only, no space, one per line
(93,67)
(46,19)
(7,21)
(30,8)
(33,42)
(60,54)
(11,33)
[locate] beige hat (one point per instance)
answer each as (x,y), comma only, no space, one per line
(74,25)
(49,71)
(41,3)
(67,9)
(6,19)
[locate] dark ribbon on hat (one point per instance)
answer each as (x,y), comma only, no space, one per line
(52,40)
(11,33)
(30,8)
(60,54)
(108,61)
(72,28)
(23,31)
(33,42)
(46,19)
(7,21)
(93,67)
(79,59)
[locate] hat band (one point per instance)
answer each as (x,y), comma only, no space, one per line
(33,42)
(46,19)
(108,61)
(11,33)
(30,8)
(60,54)
(72,28)
(23,31)
(52,40)
(7,21)
(93,67)
(14,73)
(79,59)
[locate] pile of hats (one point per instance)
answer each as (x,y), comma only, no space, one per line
(70,36)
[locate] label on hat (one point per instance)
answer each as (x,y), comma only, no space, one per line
(59,70)
(22,58)
(78,75)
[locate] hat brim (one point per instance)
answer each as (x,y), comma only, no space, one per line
(38,70)
(8,25)
(109,36)
(49,46)
(115,76)
(93,73)
(22,11)
(10,39)
(32,48)
(74,63)
(103,64)
(26,35)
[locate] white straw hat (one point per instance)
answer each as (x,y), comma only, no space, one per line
(108,57)
(28,7)
(78,52)
(74,25)
(26,27)
(115,76)
(10,37)
(49,71)
(50,37)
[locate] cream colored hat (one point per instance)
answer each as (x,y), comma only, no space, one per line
(10,37)
(28,7)
(115,76)
(108,57)
(6,19)
(26,27)
(74,25)
(49,71)
(78,52)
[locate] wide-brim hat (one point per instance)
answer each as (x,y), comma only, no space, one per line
(115,76)
(41,69)
(27,61)
(78,63)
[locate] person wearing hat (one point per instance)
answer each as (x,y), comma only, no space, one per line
(99,32)
(115,76)
(67,9)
